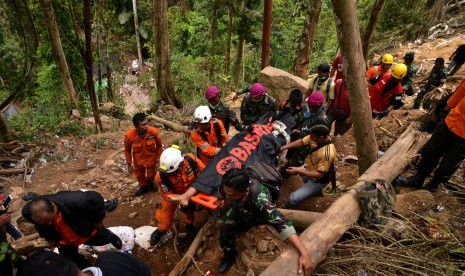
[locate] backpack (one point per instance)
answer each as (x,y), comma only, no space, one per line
(328,86)
(266,174)
(377,198)
(195,169)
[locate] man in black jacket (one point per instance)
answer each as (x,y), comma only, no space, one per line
(47,263)
(70,219)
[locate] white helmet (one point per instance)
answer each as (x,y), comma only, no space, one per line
(170,160)
(202,114)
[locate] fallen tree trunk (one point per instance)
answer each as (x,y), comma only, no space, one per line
(329,228)
(187,258)
(300,219)
(167,123)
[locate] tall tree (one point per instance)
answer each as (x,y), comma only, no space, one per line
(25,28)
(240,45)
(266,33)
(213,27)
(163,78)
(375,15)
(57,47)
(227,62)
(436,12)
(5,134)
(136,28)
(354,67)
(306,39)
(88,61)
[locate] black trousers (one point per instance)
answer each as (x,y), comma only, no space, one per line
(446,144)
(102,237)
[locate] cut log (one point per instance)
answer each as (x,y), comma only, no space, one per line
(186,259)
(167,123)
(300,219)
(11,171)
(329,228)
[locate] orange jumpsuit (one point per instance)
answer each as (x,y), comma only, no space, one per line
(180,180)
(209,145)
(145,151)
(373,74)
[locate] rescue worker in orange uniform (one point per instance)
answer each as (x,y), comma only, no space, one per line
(175,176)
(209,134)
(447,141)
(374,74)
(386,94)
(143,146)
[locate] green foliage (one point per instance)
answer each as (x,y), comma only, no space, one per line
(46,110)
(190,76)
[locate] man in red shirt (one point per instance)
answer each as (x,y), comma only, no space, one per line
(337,67)
(340,110)
(143,145)
(386,94)
(374,74)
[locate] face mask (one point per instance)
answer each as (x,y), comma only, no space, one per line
(322,79)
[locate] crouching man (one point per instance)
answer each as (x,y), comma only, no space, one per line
(175,176)
(69,219)
(249,204)
(319,163)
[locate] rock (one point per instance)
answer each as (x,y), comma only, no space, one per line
(133,215)
(279,83)
(262,246)
(350,159)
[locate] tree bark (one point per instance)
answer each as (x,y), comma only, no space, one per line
(300,219)
(227,63)
(187,258)
(57,47)
(266,33)
(213,27)
(164,78)
(88,66)
(329,228)
(306,39)
(353,63)
(436,12)
(375,15)
(167,123)
(111,96)
(240,47)
(5,134)
(136,29)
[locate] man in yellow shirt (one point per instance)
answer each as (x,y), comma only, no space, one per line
(318,164)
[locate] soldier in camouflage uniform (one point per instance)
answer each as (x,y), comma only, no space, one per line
(313,114)
(220,110)
(407,81)
(248,203)
(436,78)
(256,103)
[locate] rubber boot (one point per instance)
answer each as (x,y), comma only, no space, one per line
(228,260)
(411,181)
(156,236)
(191,231)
